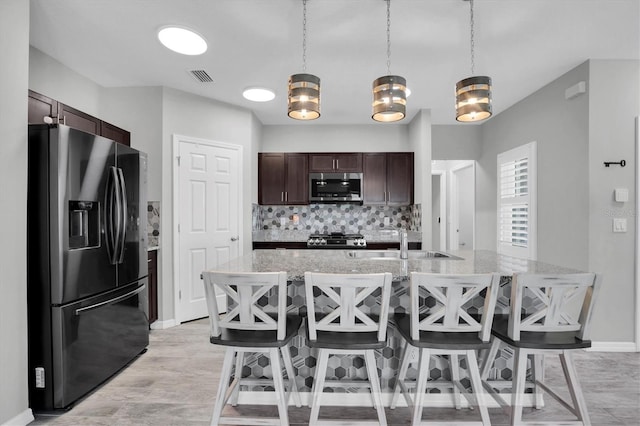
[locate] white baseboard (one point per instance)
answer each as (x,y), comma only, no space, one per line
(21,419)
(161,325)
(613,347)
(364,399)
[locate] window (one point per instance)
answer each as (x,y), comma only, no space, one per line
(517,202)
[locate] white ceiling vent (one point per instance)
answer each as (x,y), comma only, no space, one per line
(201,76)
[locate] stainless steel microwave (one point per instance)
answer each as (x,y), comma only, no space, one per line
(335,188)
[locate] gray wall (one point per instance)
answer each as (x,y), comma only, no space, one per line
(456,142)
(614,103)
(560,128)
(575,190)
(199,117)
(313,137)
(14,51)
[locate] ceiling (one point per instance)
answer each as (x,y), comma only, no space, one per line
(522,45)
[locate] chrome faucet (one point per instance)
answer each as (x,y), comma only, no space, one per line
(404,244)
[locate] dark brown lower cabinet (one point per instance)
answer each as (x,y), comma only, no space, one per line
(152,263)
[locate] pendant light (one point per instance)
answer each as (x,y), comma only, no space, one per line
(389,91)
(473,94)
(304,89)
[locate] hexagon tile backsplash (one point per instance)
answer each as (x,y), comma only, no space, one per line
(347,218)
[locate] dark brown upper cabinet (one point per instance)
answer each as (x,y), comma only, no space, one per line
(335,162)
(388,178)
(283,178)
(41,106)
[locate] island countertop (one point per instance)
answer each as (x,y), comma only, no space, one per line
(297,262)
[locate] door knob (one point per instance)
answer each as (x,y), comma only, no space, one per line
(235,238)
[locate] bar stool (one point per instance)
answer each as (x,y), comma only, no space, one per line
(341,325)
(247,327)
(554,320)
(447,316)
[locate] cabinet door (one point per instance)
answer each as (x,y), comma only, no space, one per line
(350,162)
(115,133)
(296,179)
(41,106)
(78,119)
(335,162)
(321,162)
(374,178)
(152,263)
(271,175)
(399,178)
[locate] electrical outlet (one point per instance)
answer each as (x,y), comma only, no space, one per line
(39,377)
(619,224)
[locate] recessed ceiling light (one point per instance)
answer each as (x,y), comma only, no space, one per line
(182,40)
(258,94)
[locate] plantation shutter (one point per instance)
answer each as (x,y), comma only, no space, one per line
(517,202)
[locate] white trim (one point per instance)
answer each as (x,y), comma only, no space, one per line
(21,419)
(176,208)
(613,347)
(443,207)
(161,325)
(637,245)
(363,399)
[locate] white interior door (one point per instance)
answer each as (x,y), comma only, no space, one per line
(208,218)
(463,206)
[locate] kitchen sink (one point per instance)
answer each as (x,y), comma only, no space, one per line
(395,254)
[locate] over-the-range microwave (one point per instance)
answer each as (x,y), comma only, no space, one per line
(335,188)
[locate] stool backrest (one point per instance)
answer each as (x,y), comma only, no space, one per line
(247,294)
(555,303)
(453,303)
(343,307)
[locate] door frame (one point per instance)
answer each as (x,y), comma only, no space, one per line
(454,211)
(176,208)
(443,207)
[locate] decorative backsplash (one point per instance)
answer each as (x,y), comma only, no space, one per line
(347,218)
(153,223)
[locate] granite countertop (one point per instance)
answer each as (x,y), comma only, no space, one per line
(153,248)
(297,262)
(383,235)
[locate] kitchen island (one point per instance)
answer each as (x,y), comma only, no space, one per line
(297,262)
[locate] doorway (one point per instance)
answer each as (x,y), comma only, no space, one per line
(439,210)
(453,201)
(207,182)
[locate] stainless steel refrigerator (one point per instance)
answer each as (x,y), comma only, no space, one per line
(87,262)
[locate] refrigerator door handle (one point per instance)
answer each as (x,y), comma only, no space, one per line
(111,301)
(110,203)
(123,212)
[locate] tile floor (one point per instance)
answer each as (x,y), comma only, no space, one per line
(175,381)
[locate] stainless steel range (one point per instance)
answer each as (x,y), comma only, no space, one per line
(336,240)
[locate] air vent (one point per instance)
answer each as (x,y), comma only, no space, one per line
(202,76)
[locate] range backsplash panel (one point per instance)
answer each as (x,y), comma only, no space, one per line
(347,218)
(153,223)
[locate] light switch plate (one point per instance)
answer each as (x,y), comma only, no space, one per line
(619,224)
(621,195)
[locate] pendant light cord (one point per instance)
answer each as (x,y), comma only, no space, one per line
(304,36)
(471,19)
(388,37)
